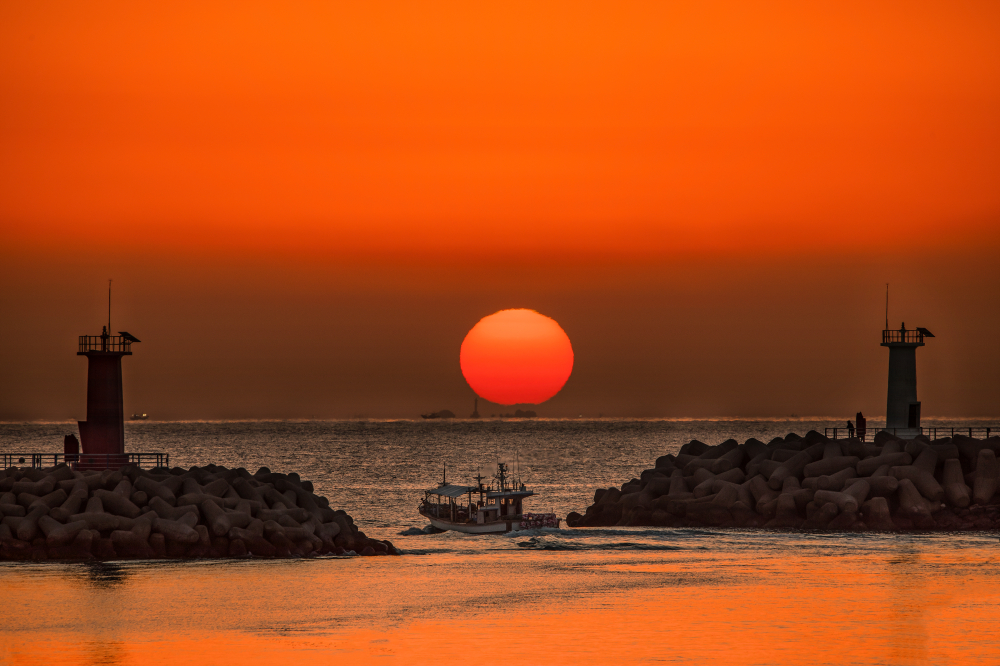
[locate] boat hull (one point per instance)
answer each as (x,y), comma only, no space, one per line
(494,527)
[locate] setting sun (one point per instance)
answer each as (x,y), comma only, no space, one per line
(516,356)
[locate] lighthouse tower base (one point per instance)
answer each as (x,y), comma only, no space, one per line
(102,435)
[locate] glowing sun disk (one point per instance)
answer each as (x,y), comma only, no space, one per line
(516,356)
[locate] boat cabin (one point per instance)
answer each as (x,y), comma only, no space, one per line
(446,502)
(500,502)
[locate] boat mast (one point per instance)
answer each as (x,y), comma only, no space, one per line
(517,460)
(501,476)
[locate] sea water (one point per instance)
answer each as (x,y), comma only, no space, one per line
(603,596)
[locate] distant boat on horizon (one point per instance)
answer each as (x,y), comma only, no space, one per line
(443,414)
(139,417)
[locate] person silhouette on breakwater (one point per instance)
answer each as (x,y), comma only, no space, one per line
(860,420)
(850,429)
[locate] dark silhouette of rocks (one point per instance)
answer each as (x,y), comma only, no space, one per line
(443,414)
(813,483)
(211,511)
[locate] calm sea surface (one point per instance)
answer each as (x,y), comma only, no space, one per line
(602,596)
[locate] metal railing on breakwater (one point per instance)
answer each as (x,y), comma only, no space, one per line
(84,460)
(931,432)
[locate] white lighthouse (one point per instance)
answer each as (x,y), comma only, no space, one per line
(902,411)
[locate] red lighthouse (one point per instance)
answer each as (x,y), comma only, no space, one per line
(103,433)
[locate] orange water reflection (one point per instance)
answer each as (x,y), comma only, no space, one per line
(900,603)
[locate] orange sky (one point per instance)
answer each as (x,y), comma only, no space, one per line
(573,127)
(358,185)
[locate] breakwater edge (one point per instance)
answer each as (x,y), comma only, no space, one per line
(203,512)
(812,482)
(377,470)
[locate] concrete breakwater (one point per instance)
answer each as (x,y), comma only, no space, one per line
(813,482)
(210,511)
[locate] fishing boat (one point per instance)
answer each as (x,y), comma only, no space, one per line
(483,509)
(139,417)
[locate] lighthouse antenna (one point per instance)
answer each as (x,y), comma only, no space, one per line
(887,306)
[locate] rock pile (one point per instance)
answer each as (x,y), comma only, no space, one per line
(813,482)
(211,511)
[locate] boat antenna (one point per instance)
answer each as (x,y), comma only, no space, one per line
(887,306)
(109,306)
(444,474)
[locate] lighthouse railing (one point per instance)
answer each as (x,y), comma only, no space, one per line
(907,336)
(105,343)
